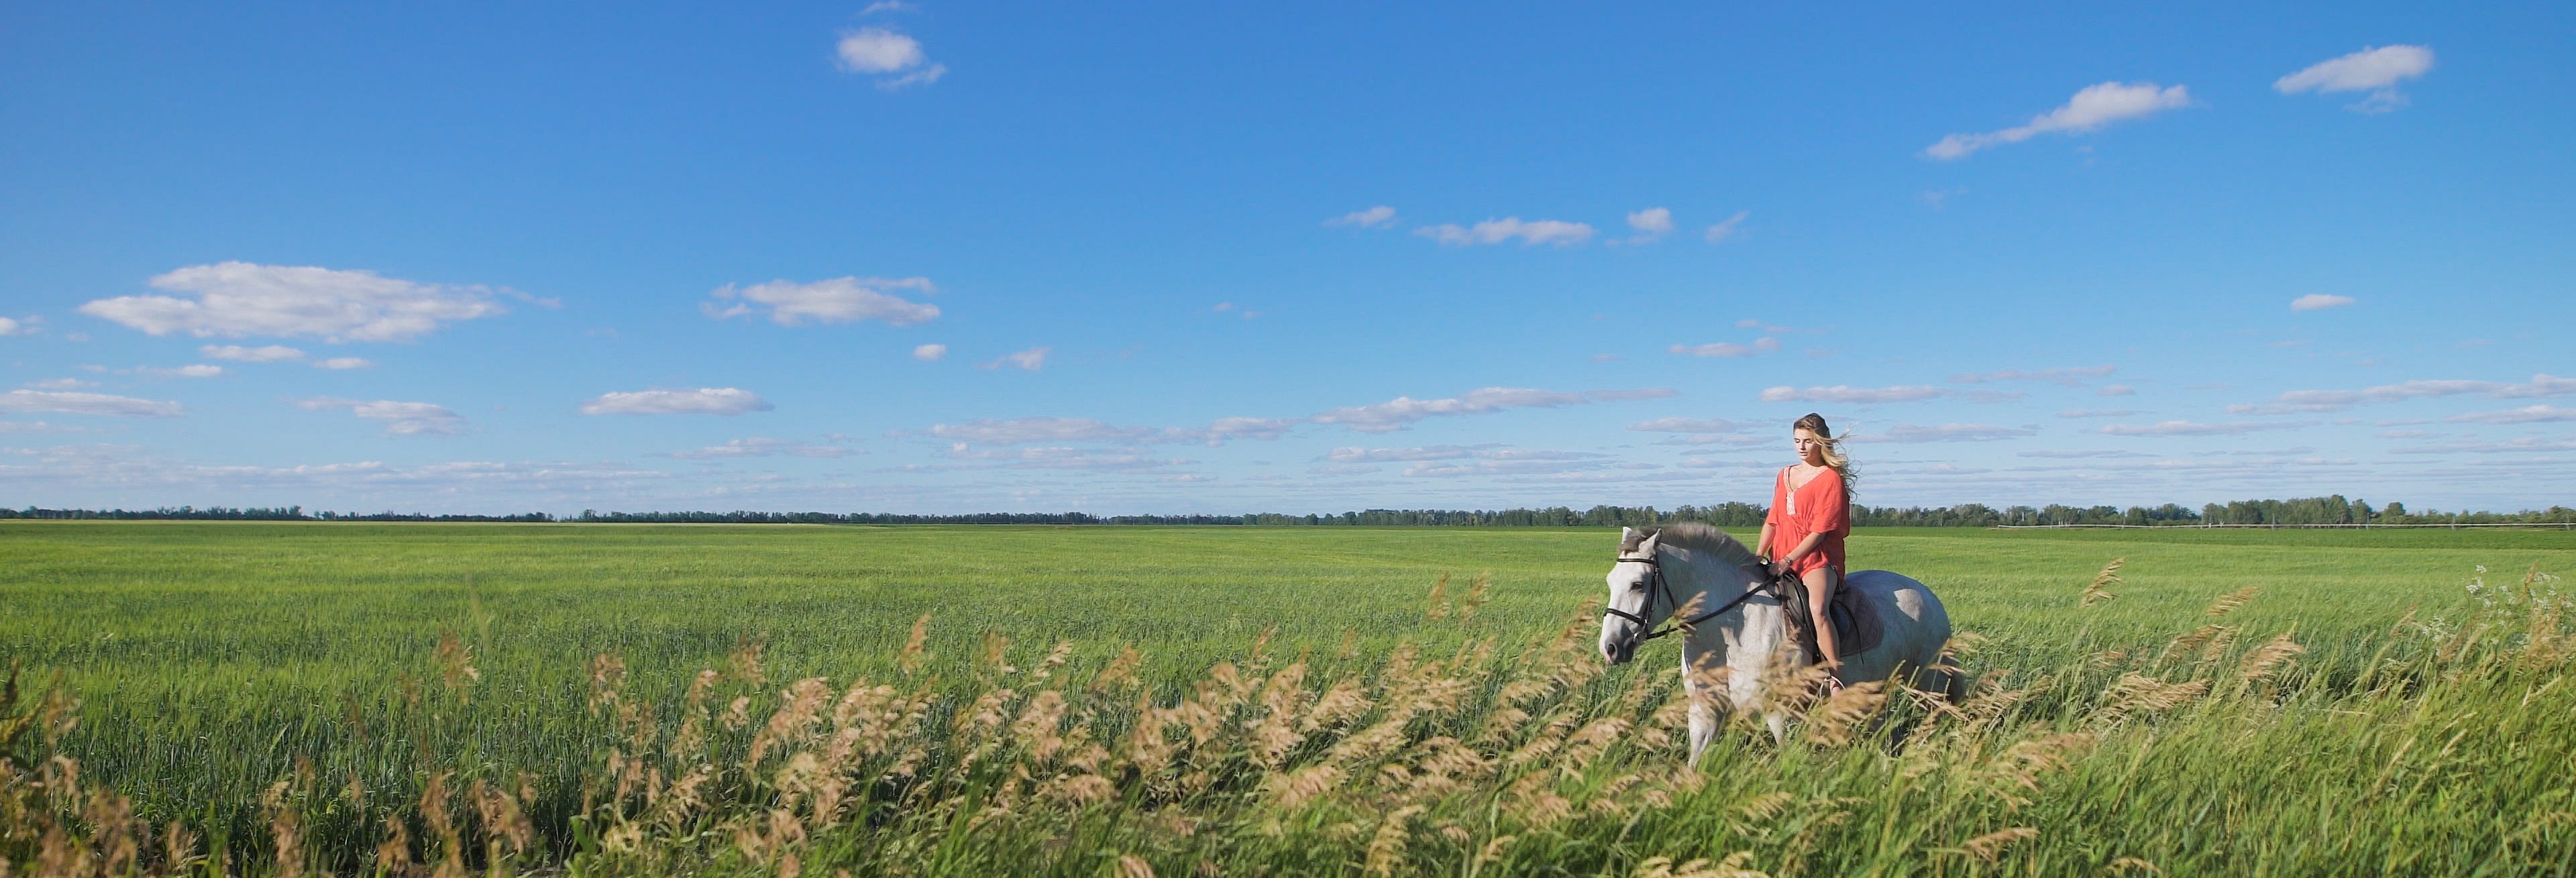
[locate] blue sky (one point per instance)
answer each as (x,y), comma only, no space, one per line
(939,257)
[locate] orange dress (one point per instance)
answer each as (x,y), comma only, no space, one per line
(1817,507)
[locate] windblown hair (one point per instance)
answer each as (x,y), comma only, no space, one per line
(1834,457)
(1696,537)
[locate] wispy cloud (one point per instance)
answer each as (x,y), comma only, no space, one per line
(1496,231)
(1719,233)
(2194,428)
(2526,415)
(344,363)
(763,447)
(930,353)
(239,299)
(2319,302)
(2309,401)
(701,401)
(1378,217)
(2377,70)
(267,354)
(1765,344)
(1404,411)
(2070,376)
(1847,394)
(400,418)
(2090,109)
(74,403)
(1911,433)
(839,300)
(11,326)
(1031,360)
(2097,413)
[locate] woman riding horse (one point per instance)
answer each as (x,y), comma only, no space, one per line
(1810,515)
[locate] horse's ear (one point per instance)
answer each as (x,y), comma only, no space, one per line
(1627,534)
(1647,548)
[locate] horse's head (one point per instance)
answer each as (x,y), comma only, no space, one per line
(1639,598)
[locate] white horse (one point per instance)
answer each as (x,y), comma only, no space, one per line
(1740,622)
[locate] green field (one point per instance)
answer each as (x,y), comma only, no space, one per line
(2362,713)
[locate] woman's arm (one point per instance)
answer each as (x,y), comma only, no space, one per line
(1804,546)
(1762,544)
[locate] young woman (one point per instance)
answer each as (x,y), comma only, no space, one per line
(1810,515)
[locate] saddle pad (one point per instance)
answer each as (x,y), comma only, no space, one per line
(1856,624)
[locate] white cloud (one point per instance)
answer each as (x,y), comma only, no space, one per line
(2116,390)
(1032,359)
(61,384)
(400,418)
(2541,385)
(2303,401)
(2068,376)
(1722,231)
(701,401)
(1651,225)
(1910,433)
(1356,454)
(2097,105)
(1377,217)
(1691,425)
(1533,232)
(1020,431)
(192,370)
(1842,393)
(11,327)
(884,54)
(1067,459)
(2534,414)
(344,363)
(1403,411)
(839,300)
(2318,301)
(2192,428)
(930,353)
(33,427)
(269,354)
(760,447)
(888,6)
(2373,69)
(72,403)
(239,298)
(2097,413)
(1765,344)
(2526,443)
(1248,428)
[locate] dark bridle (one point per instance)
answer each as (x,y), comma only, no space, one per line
(1664,589)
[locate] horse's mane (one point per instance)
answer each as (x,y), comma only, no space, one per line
(1696,537)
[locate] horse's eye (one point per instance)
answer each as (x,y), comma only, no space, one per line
(1637,586)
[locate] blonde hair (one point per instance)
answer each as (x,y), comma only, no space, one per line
(1833,451)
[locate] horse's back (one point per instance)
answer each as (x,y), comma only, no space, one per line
(1917,626)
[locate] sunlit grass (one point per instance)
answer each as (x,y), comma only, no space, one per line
(544,686)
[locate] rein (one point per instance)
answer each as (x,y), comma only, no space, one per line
(1665,589)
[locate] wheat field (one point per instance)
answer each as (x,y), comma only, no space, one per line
(304,699)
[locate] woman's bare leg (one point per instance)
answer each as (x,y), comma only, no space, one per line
(1820,591)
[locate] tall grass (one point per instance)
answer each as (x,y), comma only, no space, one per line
(2212,740)
(297,699)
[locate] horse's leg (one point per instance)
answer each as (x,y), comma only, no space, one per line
(1703,726)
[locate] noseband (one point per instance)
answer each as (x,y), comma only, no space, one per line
(1664,590)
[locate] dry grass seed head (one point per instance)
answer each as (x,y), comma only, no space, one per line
(1120,672)
(1986,848)
(915,648)
(1834,721)
(1386,848)
(2124,864)
(2137,693)
(1439,604)
(2099,589)
(2227,603)
(2272,656)
(1731,867)
(1133,866)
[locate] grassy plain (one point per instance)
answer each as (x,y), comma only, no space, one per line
(216,660)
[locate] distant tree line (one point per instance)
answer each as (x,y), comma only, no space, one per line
(2328,510)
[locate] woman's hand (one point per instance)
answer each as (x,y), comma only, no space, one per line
(1779,567)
